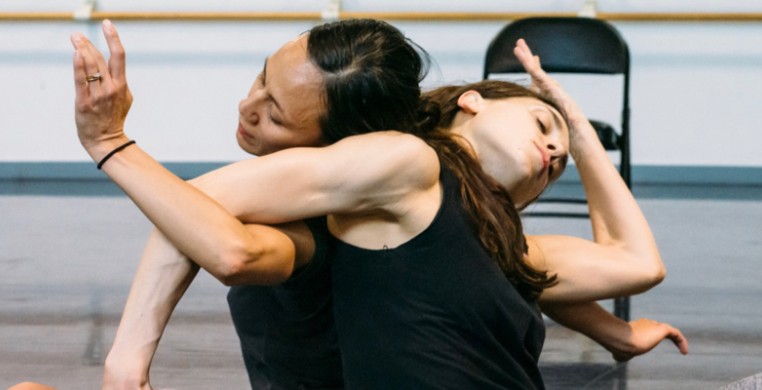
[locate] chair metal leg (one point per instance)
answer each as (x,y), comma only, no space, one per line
(622,308)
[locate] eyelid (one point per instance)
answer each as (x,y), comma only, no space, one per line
(541,124)
(549,119)
(272,119)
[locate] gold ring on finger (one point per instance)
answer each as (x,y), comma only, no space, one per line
(93,77)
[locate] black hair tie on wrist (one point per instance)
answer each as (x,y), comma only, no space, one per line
(113,152)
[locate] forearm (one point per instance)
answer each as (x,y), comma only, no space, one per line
(589,319)
(616,218)
(625,340)
(197,225)
(162,278)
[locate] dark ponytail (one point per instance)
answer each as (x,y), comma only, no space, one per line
(372,76)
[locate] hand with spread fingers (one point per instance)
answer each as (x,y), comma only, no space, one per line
(545,85)
(102,95)
(582,135)
(645,335)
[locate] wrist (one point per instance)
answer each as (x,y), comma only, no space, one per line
(123,366)
(98,149)
(583,139)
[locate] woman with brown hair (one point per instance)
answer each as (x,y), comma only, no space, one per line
(385,190)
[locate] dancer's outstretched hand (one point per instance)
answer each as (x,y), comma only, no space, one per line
(102,95)
(646,335)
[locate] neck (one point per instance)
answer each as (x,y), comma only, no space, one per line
(464,134)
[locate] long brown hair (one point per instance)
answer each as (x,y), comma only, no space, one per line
(490,207)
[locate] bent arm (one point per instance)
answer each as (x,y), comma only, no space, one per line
(624,340)
(623,258)
(353,175)
(200,227)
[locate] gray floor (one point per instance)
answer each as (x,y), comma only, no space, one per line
(68,252)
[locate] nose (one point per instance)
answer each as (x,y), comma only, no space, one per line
(249,108)
(555,147)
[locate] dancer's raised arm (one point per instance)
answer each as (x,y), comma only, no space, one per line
(623,258)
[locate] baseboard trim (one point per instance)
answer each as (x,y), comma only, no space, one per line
(33,171)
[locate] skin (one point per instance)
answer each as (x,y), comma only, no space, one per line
(232,251)
(536,149)
(283,106)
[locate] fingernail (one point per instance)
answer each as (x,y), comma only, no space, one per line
(107,24)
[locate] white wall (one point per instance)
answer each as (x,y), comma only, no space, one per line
(695,93)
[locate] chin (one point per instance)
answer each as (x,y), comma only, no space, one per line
(248,148)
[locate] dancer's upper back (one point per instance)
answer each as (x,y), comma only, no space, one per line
(434,312)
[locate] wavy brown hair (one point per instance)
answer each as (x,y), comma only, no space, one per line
(490,207)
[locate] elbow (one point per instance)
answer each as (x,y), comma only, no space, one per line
(658,275)
(231,269)
(652,276)
(257,266)
(658,271)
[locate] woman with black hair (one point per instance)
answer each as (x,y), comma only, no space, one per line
(381,191)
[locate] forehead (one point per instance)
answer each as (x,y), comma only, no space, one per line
(534,103)
(295,83)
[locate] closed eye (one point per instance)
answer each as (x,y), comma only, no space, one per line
(270,116)
(541,125)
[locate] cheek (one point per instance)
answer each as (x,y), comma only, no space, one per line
(308,137)
(274,138)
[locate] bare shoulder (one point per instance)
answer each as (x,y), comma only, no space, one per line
(389,143)
(395,156)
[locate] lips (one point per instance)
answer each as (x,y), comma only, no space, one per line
(243,132)
(545,158)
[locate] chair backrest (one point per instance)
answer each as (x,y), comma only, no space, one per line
(564,44)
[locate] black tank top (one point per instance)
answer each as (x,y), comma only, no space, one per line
(287,331)
(434,313)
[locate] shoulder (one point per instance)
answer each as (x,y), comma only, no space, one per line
(391,157)
(389,144)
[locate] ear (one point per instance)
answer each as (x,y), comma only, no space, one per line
(470,102)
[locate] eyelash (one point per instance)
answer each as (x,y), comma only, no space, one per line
(543,129)
(270,116)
